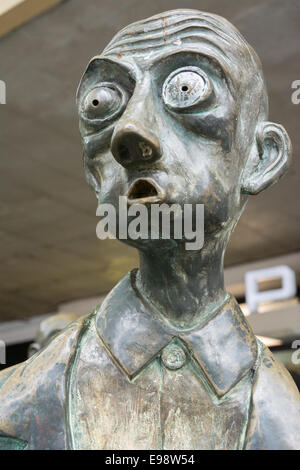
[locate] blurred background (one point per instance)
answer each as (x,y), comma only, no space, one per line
(51,259)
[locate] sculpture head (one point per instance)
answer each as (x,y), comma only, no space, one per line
(175,110)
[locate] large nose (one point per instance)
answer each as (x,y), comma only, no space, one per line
(132,145)
(134,141)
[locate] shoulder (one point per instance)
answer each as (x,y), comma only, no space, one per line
(275,418)
(32,394)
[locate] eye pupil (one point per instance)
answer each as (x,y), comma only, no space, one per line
(102,102)
(186,88)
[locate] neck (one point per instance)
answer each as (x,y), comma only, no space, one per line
(185,286)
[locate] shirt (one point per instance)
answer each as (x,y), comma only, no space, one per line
(123,378)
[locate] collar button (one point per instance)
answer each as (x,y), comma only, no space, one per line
(173,357)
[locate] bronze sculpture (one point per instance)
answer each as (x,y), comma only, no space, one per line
(174,110)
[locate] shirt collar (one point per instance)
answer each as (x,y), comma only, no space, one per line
(225,347)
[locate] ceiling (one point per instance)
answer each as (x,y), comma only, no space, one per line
(49,251)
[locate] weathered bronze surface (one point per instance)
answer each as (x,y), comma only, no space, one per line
(174,110)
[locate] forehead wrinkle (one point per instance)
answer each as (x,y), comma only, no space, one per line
(141,48)
(167,36)
(161,29)
(191,38)
(159,22)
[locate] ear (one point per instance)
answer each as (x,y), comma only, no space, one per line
(269,158)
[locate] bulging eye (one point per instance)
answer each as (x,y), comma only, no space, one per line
(186,88)
(103,102)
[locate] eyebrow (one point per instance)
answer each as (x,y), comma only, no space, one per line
(94,68)
(125,66)
(187,54)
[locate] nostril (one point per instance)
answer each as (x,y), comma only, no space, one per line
(127,153)
(124,153)
(131,145)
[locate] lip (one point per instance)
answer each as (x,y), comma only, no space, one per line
(145,190)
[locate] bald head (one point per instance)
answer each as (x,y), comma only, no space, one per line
(180,79)
(194,30)
(181,27)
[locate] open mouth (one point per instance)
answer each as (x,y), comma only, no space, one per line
(144,190)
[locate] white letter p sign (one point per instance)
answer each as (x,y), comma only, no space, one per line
(286,291)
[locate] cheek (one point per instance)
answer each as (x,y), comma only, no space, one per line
(220,202)
(212,127)
(216,208)
(217,124)
(108,178)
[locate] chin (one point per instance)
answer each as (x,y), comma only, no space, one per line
(155,245)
